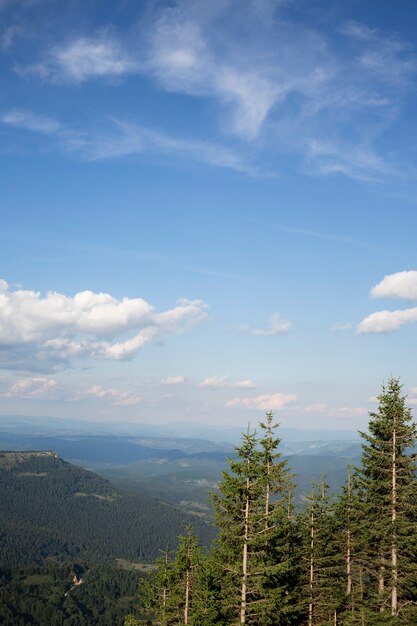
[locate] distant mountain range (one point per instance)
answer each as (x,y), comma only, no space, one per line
(171,462)
(215,433)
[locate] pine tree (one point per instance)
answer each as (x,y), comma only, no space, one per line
(156,591)
(321,557)
(170,590)
(388,492)
(255,549)
(347,513)
(280,585)
(238,516)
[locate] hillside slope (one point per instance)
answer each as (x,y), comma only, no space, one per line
(52,508)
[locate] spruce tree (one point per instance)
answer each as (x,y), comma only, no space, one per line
(238,516)
(255,549)
(280,585)
(388,492)
(323,594)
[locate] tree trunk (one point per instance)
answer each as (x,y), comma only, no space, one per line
(187,596)
(381,585)
(245,558)
(394,591)
(349,544)
(310,604)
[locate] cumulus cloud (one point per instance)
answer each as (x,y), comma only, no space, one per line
(277,326)
(387,321)
(83,59)
(265,402)
(56,328)
(173,380)
(215,382)
(30,388)
(114,396)
(398,285)
(219,382)
(244,384)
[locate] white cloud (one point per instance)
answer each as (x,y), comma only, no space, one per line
(244,384)
(9,34)
(183,58)
(388,58)
(173,380)
(125,139)
(320,407)
(398,285)
(334,411)
(215,382)
(57,327)
(339,326)
(265,402)
(277,326)
(220,382)
(83,59)
(387,321)
(31,121)
(129,139)
(281,86)
(357,160)
(114,396)
(30,388)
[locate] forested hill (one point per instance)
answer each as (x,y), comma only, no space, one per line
(52,508)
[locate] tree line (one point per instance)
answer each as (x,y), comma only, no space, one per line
(344,559)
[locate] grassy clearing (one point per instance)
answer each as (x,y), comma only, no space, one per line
(131,565)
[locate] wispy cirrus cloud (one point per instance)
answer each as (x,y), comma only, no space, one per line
(401,285)
(47,331)
(270,81)
(31,121)
(277,326)
(128,139)
(122,139)
(264,402)
(83,59)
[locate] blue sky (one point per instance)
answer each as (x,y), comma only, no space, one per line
(208,210)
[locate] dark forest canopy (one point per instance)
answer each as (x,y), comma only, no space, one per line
(52,508)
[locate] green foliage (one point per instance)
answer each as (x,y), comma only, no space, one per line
(255,548)
(36,594)
(387,511)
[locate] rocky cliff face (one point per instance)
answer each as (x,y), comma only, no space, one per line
(9,458)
